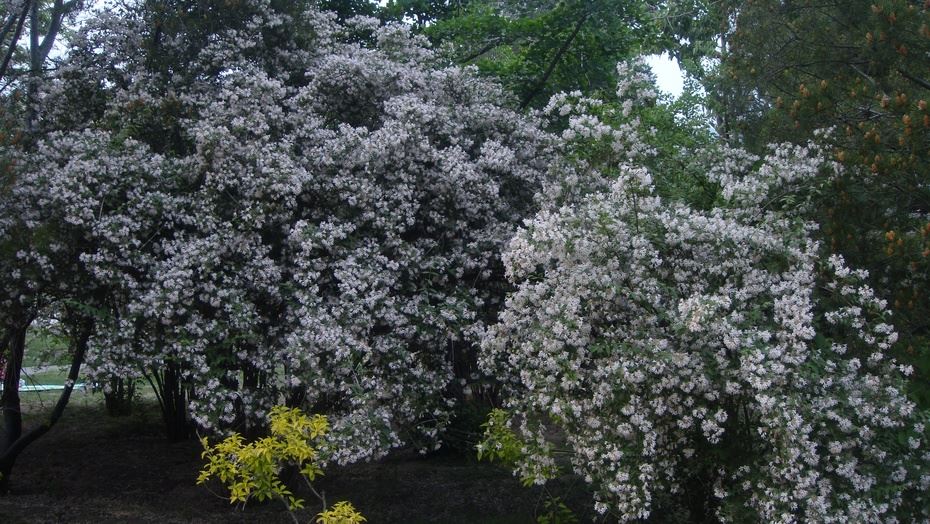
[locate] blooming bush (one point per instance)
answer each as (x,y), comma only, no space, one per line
(303,211)
(714,354)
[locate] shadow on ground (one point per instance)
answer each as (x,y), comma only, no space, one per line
(93,468)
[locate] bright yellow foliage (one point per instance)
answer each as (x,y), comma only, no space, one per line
(341,513)
(251,470)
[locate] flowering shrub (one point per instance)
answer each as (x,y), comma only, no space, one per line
(711,353)
(302,211)
(341,513)
(252,470)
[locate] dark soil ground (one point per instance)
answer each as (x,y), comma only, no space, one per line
(94,468)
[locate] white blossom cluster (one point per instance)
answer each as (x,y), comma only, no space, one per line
(597,137)
(674,347)
(325,221)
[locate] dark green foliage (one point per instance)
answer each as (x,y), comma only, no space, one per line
(422,13)
(543,47)
(861,68)
(349,8)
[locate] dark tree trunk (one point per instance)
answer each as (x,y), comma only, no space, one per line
(172,398)
(9,454)
(296,396)
(118,400)
(251,381)
(12,415)
(701,503)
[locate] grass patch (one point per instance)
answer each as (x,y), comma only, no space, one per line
(44,348)
(38,404)
(54,376)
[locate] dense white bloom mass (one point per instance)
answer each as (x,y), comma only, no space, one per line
(322,220)
(292,208)
(675,347)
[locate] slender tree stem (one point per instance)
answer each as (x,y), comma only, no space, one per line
(9,456)
(555,61)
(19,31)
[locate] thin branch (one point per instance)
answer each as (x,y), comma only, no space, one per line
(864,75)
(555,61)
(321,496)
(16,35)
(489,46)
(289,511)
(80,348)
(156,387)
(8,26)
(917,80)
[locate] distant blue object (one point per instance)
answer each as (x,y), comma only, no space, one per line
(41,387)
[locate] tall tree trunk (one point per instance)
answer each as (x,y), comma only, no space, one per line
(35,69)
(12,414)
(119,396)
(8,456)
(20,21)
(172,398)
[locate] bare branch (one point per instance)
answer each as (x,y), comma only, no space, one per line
(8,26)
(555,61)
(19,31)
(917,80)
(489,46)
(59,11)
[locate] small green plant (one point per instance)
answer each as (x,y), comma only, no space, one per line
(251,470)
(557,513)
(500,443)
(341,513)
(532,460)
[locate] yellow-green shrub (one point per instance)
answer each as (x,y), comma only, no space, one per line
(252,469)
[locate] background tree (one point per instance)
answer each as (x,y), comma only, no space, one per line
(697,34)
(538,48)
(422,13)
(861,69)
(31,251)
